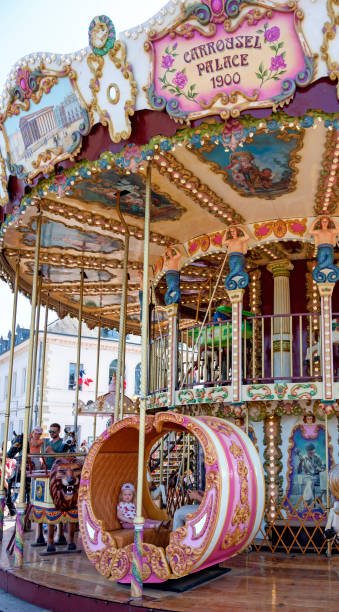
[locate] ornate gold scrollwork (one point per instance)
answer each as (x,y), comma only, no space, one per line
(116,98)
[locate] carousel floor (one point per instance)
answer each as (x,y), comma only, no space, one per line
(257,581)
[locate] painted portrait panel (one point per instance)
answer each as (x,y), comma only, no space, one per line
(306,476)
(53,126)
(54,234)
(264,168)
(104,187)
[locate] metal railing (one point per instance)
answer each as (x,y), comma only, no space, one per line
(274,347)
(158,360)
(282,347)
(204,355)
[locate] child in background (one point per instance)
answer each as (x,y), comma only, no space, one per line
(126,510)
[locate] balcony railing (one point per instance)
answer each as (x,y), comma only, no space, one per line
(274,347)
(282,347)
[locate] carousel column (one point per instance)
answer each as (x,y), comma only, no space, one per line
(76,403)
(281,340)
(97,381)
(136,582)
(236,299)
(326,291)
(43,361)
(8,403)
(272,466)
(122,323)
(19,534)
(236,282)
(172,258)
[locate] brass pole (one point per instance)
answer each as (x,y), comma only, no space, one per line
(122,323)
(161,475)
(76,405)
(97,381)
(136,583)
(326,450)
(8,400)
(123,366)
(35,353)
(43,359)
(18,554)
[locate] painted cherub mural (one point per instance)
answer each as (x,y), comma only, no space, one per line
(246,173)
(265,167)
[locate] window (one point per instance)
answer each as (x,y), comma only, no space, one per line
(23,381)
(113,366)
(72,376)
(137,379)
(6,387)
(14,385)
(21,427)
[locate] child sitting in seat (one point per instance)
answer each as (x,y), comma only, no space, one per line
(126,510)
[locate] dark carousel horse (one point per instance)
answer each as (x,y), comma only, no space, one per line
(16,449)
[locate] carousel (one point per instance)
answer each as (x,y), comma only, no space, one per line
(180,181)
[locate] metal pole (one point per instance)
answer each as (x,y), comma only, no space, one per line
(136,581)
(8,402)
(19,534)
(123,362)
(35,354)
(161,475)
(76,404)
(122,323)
(326,450)
(97,380)
(43,360)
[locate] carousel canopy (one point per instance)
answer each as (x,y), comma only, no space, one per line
(234,105)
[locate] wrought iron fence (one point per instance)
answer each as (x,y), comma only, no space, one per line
(295,528)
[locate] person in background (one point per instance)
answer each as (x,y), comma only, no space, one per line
(181,513)
(54,444)
(35,445)
(84,446)
(156,491)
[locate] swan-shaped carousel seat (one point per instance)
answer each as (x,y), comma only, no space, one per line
(222,526)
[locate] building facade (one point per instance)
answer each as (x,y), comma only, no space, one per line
(60,375)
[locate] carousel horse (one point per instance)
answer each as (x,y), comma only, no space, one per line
(16,449)
(54,501)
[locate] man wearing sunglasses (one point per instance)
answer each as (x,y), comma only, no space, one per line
(55,444)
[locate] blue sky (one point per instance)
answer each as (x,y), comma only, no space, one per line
(58,27)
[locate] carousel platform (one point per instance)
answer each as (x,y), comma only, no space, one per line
(257,581)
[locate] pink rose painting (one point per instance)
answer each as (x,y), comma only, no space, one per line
(167,61)
(174,79)
(180,80)
(278,64)
(272,34)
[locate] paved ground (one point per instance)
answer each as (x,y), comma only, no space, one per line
(9,603)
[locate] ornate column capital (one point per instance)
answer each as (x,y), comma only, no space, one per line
(280,267)
(325,289)
(235,295)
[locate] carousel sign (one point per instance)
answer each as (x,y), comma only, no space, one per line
(220,60)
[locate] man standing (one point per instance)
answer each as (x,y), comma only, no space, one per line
(311,464)
(55,444)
